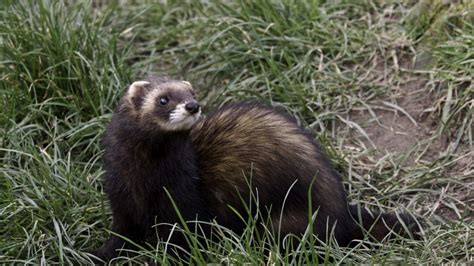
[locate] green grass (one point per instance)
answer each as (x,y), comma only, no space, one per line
(65,65)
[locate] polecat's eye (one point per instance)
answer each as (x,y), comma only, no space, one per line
(164,100)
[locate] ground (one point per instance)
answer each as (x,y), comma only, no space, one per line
(386,86)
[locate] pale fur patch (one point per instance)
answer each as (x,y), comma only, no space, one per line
(187,83)
(149,102)
(180,119)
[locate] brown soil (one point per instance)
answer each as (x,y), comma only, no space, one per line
(402,127)
(402,123)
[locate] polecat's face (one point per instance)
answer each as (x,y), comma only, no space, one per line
(171,105)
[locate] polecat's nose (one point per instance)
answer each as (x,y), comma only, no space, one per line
(192,107)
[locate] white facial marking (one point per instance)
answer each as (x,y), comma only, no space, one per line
(180,119)
(187,83)
(149,102)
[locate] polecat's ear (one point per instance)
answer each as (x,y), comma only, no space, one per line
(136,92)
(137,88)
(187,83)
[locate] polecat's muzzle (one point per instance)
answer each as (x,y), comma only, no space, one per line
(192,107)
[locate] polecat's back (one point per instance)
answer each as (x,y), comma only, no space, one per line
(250,145)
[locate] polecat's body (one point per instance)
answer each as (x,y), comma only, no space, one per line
(237,149)
(249,145)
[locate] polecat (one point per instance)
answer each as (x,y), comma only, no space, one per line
(209,170)
(148,150)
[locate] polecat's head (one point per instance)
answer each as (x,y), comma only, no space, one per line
(163,104)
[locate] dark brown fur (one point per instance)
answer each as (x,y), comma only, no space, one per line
(253,141)
(141,160)
(237,149)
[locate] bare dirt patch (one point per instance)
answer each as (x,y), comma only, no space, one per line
(400,123)
(402,129)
